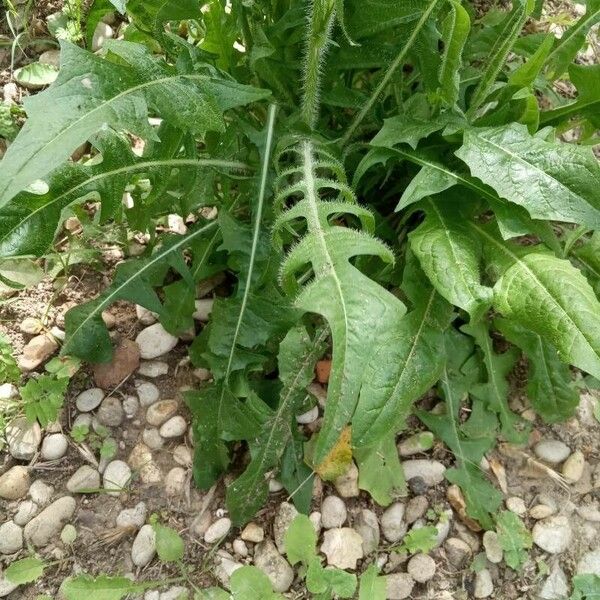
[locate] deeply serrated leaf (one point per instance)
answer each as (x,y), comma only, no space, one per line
(514,538)
(552,181)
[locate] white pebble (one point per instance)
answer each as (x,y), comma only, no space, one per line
(89,400)
(144,546)
(174,427)
(217,530)
(154,341)
(54,446)
(147,392)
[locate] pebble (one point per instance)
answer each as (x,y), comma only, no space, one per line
(552,451)
(14,484)
(133,517)
(11,538)
(202,374)
(175,593)
(346,485)
(240,548)
(173,428)
(574,466)
(342,547)
(589,563)
(147,392)
(458,552)
(443,526)
(42,528)
(85,480)
(23,438)
(125,360)
(285,515)
(516,505)
(54,446)
(89,399)
(200,524)
(398,586)
(415,509)
(82,420)
(8,391)
(130,406)
(6,587)
(217,530)
(541,511)
(275,485)
(310,416)
(183,456)
(556,586)
(155,341)
(431,471)
(152,438)
(116,477)
(26,511)
(421,568)
(111,412)
(141,460)
(493,549)
(274,566)
(333,512)
(224,567)
(160,412)
(203,309)
(367,526)
(552,535)
(392,524)
(31,325)
(153,368)
(484,585)
(102,33)
(37,350)
(415,444)
(253,533)
(145,316)
(315,519)
(175,482)
(40,492)
(143,548)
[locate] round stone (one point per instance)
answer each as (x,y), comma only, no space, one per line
(154,341)
(11,538)
(421,567)
(553,535)
(147,392)
(174,427)
(89,400)
(552,451)
(116,477)
(14,484)
(110,412)
(392,523)
(159,412)
(26,511)
(333,512)
(144,546)
(54,446)
(85,480)
(219,529)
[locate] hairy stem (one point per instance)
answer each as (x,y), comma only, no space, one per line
(388,74)
(322,13)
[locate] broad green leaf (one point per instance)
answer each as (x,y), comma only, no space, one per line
(553,181)
(364,18)
(450,256)
(553,299)
(406,364)
(169,544)
(298,354)
(550,383)
(330,581)
(422,539)
(300,540)
(588,256)
(469,441)
(250,583)
(18,273)
(586,587)
(380,472)
(514,538)
(372,586)
(91,92)
(336,462)
(35,75)
(296,476)
(212,593)
(103,587)
(572,40)
(25,570)
(357,310)
(455,30)
(586,78)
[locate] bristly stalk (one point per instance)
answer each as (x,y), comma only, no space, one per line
(320,24)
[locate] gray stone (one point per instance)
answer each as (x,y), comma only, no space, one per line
(153,368)
(173,428)
(310,416)
(253,533)
(392,525)
(54,446)
(40,492)
(26,511)
(133,517)
(240,548)
(102,33)
(484,586)
(154,341)
(552,451)
(346,485)
(116,477)
(421,567)
(589,563)
(556,586)
(431,471)
(217,530)
(141,460)
(175,482)
(23,438)
(458,552)
(89,399)
(274,566)
(342,547)
(6,587)
(285,515)
(85,480)
(111,412)
(398,586)
(152,438)
(145,316)
(415,509)
(203,309)
(333,512)
(143,548)
(42,528)
(147,392)
(183,456)
(130,406)
(11,538)
(162,411)
(552,535)
(14,484)
(574,466)
(225,566)
(493,549)
(367,526)
(516,505)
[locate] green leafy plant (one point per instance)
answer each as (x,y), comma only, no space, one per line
(514,539)
(411,214)
(422,539)
(586,587)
